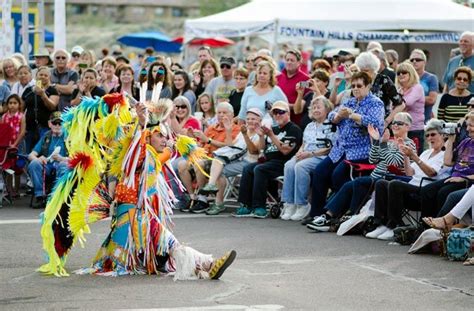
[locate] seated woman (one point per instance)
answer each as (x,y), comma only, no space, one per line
(218,135)
(384,153)
(456,214)
(318,137)
(461,159)
(352,119)
(248,139)
(391,197)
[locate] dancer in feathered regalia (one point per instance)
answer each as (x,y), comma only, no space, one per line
(102,133)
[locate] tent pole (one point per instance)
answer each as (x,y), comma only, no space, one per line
(275,40)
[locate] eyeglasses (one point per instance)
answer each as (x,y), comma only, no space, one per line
(398,123)
(226,66)
(278,112)
(56,123)
(431,135)
(181,107)
(416,60)
(399,73)
(60,57)
(462,79)
(357,86)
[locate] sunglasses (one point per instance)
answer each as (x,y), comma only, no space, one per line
(225,66)
(278,112)
(431,135)
(60,57)
(181,107)
(56,123)
(357,86)
(399,73)
(416,60)
(462,79)
(398,123)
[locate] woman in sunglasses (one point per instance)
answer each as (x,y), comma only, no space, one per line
(182,87)
(453,105)
(408,85)
(181,118)
(353,142)
(392,197)
(385,152)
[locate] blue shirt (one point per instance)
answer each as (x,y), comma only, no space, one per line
(251,99)
(56,141)
(4,92)
(453,64)
(353,141)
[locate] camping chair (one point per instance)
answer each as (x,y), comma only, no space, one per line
(231,192)
(8,158)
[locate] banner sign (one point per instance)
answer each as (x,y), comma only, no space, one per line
(194,32)
(365,36)
(16,31)
(6,44)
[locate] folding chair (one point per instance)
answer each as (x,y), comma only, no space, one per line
(8,157)
(231,192)
(274,203)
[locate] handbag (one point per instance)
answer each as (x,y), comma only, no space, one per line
(229,153)
(459,243)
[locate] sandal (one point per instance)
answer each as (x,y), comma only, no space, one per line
(429,222)
(469,262)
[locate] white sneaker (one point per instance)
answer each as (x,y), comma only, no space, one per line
(386,236)
(288,211)
(301,212)
(374,234)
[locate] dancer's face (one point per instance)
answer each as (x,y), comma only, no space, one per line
(158,141)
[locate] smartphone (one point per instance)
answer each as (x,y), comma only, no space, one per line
(39,84)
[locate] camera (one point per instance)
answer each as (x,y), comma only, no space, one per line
(304,84)
(268,105)
(451,128)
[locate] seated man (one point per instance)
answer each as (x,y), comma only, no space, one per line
(282,143)
(48,157)
(218,135)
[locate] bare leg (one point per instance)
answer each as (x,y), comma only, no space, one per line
(200,177)
(185,176)
(221,184)
(216,170)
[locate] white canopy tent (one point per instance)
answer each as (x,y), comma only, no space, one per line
(416,23)
(264,16)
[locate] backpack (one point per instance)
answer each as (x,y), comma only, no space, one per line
(459,243)
(406,235)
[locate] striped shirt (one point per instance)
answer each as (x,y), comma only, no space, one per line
(386,154)
(452,108)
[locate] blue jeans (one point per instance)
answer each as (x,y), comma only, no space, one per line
(351,196)
(298,179)
(35,169)
(328,175)
(255,181)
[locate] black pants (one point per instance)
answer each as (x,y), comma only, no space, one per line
(434,195)
(451,201)
(255,181)
(392,198)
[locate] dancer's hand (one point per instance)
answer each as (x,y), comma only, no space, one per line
(141,113)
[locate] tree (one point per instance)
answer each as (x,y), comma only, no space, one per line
(209,7)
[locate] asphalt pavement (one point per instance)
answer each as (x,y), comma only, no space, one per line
(280,265)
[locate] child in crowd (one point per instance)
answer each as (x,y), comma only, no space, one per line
(15,118)
(206,111)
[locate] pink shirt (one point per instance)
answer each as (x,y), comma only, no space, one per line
(193,123)
(415,106)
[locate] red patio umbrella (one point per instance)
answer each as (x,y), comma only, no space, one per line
(217,42)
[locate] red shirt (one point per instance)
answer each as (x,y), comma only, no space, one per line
(193,123)
(288,86)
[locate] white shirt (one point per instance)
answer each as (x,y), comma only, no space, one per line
(435,162)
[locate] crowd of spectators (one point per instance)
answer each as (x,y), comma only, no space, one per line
(314,123)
